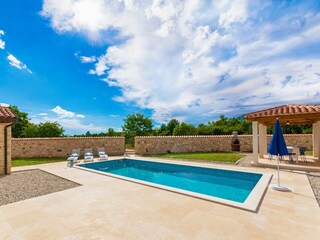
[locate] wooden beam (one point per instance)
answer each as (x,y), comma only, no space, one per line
(292,119)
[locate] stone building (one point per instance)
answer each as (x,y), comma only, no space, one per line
(7,119)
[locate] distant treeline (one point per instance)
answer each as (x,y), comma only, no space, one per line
(140,125)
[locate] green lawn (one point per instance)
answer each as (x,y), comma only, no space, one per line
(128,146)
(17,162)
(309,152)
(210,156)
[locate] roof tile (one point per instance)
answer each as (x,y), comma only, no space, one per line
(7,115)
(288,109)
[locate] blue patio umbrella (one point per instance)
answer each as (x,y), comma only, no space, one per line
(278,144)
(278,147)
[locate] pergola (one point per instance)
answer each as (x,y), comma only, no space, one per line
(290,113)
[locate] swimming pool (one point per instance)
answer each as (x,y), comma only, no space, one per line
(226,186)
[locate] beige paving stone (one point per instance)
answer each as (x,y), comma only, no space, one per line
(209,235)
(5,226)
(109,208)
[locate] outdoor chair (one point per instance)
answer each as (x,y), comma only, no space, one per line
(88,155)
(102,154)
(302,153)
(291,154)
(270,157)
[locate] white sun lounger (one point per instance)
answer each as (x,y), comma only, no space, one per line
(88,155)
(102,154)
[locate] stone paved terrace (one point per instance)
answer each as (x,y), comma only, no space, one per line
(109,208)
(310,165)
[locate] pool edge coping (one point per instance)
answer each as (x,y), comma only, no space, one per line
(252,203)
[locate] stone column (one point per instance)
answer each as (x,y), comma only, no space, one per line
(255,141)
(262,140)
(2,149)
(2,125)
(316,139)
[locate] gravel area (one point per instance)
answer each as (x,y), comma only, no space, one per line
(314,179)
(27,184)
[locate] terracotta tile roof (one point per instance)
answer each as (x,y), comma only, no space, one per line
(6,115)
(289,110)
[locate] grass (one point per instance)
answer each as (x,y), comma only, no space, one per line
(210,156)
(309,153)
(129,146)
(18,162)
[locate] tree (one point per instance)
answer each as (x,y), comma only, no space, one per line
(223,121)
(166,130)
(171,125)
(185,129)
(30,131)
(18,127)
(162,131)
(227,125)
(111,132)
(50,129)
(204,129)
(136,125)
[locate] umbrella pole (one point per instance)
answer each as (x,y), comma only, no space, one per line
(278,187)
(277,147)
(278,171)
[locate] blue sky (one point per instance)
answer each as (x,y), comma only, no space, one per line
(89,63)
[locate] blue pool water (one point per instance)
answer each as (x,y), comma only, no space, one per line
(231,185)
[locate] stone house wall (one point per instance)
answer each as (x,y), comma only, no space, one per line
(2,151)
(62,146)
(211,143)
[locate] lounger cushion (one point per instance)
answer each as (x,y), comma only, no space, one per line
(102,153)
(74,155)
(88,154)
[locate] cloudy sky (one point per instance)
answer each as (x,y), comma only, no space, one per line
(89,63)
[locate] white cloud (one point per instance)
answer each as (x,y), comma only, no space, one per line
(85,59)
(76,124)
(2,43)
(197,59)
(72,125)
(62,113)
(236,13)
(4,105)
(100,67)
(13,61)
(87,15)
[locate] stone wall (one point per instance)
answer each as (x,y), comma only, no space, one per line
(297,140)
(2,151)
(62,147)
(212,143)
